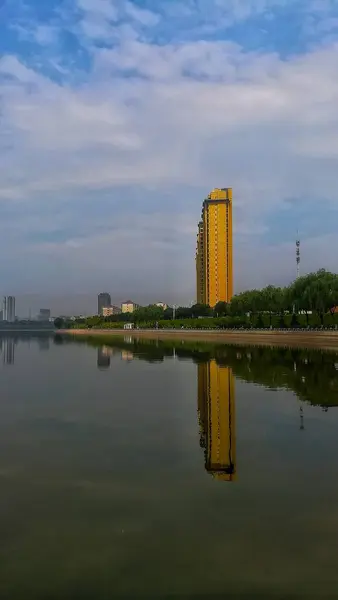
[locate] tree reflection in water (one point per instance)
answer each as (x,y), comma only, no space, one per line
(311,374)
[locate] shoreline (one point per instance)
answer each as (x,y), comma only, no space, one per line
(326,340)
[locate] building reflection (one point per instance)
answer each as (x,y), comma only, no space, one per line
(44,343)
(7,346)
(105,353)
(103,357)
(216,414)
(127,355)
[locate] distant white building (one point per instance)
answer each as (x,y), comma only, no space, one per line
(162,305)
(128,306)
(8,309)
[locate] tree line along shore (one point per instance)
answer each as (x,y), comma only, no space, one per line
(310,302)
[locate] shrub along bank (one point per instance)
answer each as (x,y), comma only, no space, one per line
(260,321)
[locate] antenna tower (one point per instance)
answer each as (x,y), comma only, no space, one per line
(298,255)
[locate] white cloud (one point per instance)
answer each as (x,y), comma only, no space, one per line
(145,17)
(187,117)
(43,35)
(218,14)
(103,8)
(97,18)
(10,65)
(172,127)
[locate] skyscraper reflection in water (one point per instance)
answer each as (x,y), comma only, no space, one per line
(7,348)
(44,343)
(216,413)
(103,357)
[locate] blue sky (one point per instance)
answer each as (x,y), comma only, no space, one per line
(118,117)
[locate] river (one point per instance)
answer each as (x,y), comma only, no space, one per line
(163,469)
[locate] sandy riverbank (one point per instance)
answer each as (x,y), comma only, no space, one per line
(326,340)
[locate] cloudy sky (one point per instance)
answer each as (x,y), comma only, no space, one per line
(117,117)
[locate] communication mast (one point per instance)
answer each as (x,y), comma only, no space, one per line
(301,414)
(298,255)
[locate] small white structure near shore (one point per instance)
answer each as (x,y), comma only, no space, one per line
(128,326)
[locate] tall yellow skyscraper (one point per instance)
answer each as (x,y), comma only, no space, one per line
(216,413)
(214,268)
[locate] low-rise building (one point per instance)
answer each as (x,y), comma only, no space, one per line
(107,311)
(128,306)
(44,314)
(162,305)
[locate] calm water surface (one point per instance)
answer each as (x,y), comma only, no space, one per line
(147,469)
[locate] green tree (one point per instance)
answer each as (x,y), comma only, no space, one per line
(221,309)
(238,305)
(316,292)
(271,300)
(294,321)
(59,323)
(149,314)
(260,322)
(168,313)
(93,322)
(201,310)
(183,312)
